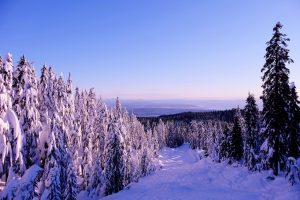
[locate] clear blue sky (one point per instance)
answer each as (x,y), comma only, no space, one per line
(158,49)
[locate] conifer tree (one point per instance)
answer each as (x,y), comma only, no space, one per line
(76,144)
(4,128)
(114,155)
(44,106)
(25,103)
(294,124)
(276,100)
(52,177)
(43,96)
(251,132)
(71,189)
(225,143)
(236,140)
(14,134)
(7,75)
(100,127)
(162,133)
(87,123)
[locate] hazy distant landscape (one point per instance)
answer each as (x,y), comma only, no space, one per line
(153,108)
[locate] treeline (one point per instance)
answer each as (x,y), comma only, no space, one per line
(56,143)
(223,115)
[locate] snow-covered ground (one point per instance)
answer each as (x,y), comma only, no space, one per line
(185,176)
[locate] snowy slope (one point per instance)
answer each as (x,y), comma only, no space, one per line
(184,176)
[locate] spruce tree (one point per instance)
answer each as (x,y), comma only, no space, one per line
(43,96)
(52,176)
(251,132)
(275,99)
(224,143)
(14,135)
(294,124)
(76,144)
(114,169)
(4,128)
(71,189)
(236,140)
(87,122)
(25,103)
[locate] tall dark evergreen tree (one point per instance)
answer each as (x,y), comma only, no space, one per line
(236,141)
(251,131)
(294,124)
(224,144)
(276,100)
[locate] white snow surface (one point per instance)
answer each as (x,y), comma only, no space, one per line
(15,125)
(184,176)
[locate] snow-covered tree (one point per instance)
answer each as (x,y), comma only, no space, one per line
(225,143)
(293,137)
(87,122)
(100,129)
(114,168)
(7,75)
(275,98)
(75,143)
(52,177)
(45,107)
(236,140)
(4,128)
(162,133)
(25,187)
(251,132)
(25,103)
(11,139)
(71,189)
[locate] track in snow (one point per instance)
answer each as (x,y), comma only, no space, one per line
(184,176)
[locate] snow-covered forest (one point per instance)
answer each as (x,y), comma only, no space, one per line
(57,142)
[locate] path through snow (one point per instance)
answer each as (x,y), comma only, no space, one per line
(185,176)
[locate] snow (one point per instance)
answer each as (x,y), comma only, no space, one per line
(23,187)
(292,85)
(184,176)
(15,125)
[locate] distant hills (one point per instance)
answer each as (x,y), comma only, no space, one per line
(155,108)
(225,115)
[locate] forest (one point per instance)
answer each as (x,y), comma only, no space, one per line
(57,141)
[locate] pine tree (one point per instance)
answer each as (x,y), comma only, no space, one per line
(7,75)
(25,103)
(294,124)
(114,155)
(43,94)
(162,133)
(4,128)
(225,143)
(14,134)
(52,177)
(76,144)
(236,140)
(44,106)
(71,189)
(87,124)
(100,127)
(276,100)
(251,132)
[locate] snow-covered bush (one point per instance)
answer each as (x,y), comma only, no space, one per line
(293,170)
